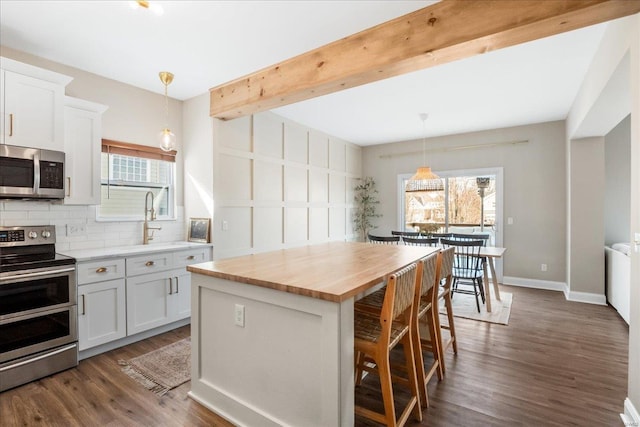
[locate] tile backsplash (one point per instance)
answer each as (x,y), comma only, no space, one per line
(77,228)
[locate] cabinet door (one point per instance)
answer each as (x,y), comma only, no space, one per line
(82,145)
(181,294)
(33,112)
(101,313)
(148,301)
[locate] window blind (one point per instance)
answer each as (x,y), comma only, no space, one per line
(135,150)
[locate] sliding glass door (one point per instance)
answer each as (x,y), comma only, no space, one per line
(471,202)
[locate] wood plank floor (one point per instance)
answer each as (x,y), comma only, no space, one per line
(558,363)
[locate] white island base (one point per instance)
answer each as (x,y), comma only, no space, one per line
(291,364)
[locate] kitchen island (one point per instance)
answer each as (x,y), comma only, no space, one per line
(272,333)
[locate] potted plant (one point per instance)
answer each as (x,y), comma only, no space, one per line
(366,201)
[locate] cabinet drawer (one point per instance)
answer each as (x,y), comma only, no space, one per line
(98,271)
(149,263)
(191,256)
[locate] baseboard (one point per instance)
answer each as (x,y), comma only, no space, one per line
(585,297)
(631,417)
(534,283)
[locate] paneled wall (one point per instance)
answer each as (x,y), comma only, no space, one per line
(278,184)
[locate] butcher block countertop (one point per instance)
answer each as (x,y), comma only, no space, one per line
(334,271)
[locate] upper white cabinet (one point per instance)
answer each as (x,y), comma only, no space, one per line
(82,145)
(32,101)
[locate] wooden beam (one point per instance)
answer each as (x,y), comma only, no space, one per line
(437,34)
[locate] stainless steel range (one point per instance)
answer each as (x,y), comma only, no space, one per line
(38,306)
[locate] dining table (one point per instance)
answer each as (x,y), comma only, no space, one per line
(272,333)
(491,254)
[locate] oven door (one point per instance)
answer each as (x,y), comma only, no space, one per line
(19,171)
(25,292)
(25,335)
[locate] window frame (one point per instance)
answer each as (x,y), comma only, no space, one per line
(110,147)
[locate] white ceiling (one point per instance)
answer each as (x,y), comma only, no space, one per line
(207,43)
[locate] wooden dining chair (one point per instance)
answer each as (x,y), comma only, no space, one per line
(384,240)
(444,294)
(467,267)
(375,334)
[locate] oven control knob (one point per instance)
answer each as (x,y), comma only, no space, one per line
(46,234)
(33,234)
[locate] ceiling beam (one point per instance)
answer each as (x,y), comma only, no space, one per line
(437,34)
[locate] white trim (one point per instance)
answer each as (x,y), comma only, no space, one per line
(586,297)
(631,417)
(534,283)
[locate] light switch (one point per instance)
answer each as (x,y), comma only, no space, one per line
(510,221)
(225,225)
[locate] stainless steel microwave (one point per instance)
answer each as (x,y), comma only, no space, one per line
(31,173)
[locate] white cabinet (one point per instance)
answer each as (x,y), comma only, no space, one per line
(101,302)
(82,146)
(101,313)
(159,287)
(33,106)
(120,297)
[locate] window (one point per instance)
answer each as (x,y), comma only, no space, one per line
(128,172)
(458,208)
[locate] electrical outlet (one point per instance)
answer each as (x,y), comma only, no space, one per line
(225,225)
(238,317)
(76,229)
(510,221)
(543,267)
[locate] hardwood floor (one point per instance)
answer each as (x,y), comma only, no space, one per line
(558,363)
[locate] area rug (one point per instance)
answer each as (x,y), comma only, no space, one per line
(162,369)
(464,305)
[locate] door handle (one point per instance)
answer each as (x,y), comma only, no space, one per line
(177,286)
(68,186)
(11,124)
(170,285)
(84,307)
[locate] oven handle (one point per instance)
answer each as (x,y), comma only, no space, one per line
(35,359)
(38,274)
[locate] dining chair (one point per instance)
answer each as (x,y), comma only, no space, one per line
(440,236)
(446,280)
(467,267)
(425,312)
(406,233)
(420,241)
(375,334)
(384,240)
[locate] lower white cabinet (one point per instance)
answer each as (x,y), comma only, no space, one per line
(101,313)
(120,297)
(157,299)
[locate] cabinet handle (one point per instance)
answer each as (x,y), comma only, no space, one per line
(170,285)
(191,257)
(68,186)
(84,307)
(11,124)
(177,286)
(150,263)
(101,270)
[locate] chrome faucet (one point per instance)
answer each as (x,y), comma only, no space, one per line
(146,236)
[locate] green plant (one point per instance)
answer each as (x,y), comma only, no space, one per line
(366,201)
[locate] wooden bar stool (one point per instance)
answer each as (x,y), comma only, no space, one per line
(376,334)
(446,274)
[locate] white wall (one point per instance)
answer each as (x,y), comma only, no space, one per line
(620,43)
(617,205)
(534,193)
(134,115)
(278,184)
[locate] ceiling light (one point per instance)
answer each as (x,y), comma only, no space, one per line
(166,137)
(424,179)
(152,6)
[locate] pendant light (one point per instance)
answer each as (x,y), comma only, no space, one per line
(166,137)
(424,179)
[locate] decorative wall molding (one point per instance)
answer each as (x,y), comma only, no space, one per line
(631,416)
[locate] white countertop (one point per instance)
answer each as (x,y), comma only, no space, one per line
(119,251)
